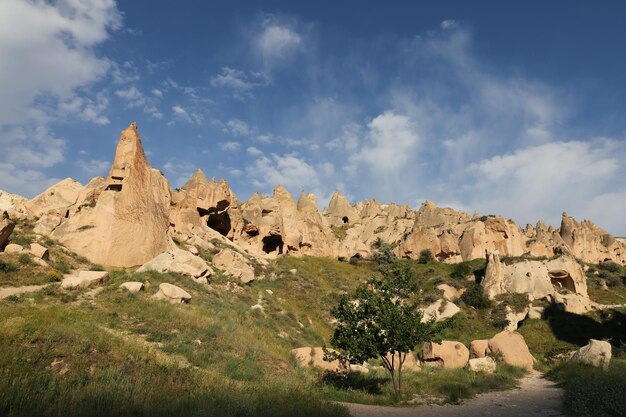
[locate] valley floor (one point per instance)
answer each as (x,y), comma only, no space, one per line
(536,396)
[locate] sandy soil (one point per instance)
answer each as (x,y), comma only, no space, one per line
(8,291)
(535,397)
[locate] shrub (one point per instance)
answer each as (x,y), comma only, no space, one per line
(7,267)
(613,281)
(610,266)
(22,240)
(25,259)
(62,266)
(475,297)
(384,255)
(426,256)
(354,260)
(461,270)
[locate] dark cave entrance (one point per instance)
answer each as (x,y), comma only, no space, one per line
(345,220)
(272,243)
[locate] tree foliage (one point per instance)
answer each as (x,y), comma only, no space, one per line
(384,255)
(381,319)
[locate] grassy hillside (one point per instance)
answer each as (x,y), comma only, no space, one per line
(107,352)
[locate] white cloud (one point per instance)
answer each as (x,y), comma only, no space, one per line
(24,181)
(239,81)
(32,147)
(277,41)
(182,114)
(254,151)
(157,92)
(94,166)
(230,146)
(236,127)
(264,138)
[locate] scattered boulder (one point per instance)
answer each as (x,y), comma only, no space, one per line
(313,357)
(234,265)
(172,294)
(486,365)
(513,348)
(597,353)
(6,228)
(84,279)
(439,310)
(39,251)
(515,318)
(447,354)
(449,292)
(479,348)
(178,261)
(536,312)
(13,248)
(133,286)
(410,362)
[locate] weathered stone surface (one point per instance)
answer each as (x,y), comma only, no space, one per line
(590,242)
(84,279)
(449,354)
(450,293)
(127,224)
(132,286)
(308,357)
(57,199)
(439,310)
(172,294)
(234,265)
(515,317)
(13,204)
(536,312)
(484,364)
(178,261)
(513,348)
(13,248)
(479,348)
(597,353)
(410,362)
(6,228)
(39,251)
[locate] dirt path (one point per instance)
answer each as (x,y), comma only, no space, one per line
(8,291)
(535,397)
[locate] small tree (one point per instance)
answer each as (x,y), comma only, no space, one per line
(382,319)
(426,256)
(384,255)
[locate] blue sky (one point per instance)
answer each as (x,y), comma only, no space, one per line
(511,108)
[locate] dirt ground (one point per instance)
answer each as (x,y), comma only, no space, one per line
(536,397)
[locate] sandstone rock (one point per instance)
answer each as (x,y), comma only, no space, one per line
(572,303)
(132,286)
(479,348)
(6,228)
(410,362)
(178,261)
(84,279)
(450,293)
(597,353)
(172,294)
(58,198)
(13,204)
(234,265)
(307,357)
(193,250)
(439,310)
(340,211)
(127,224)
(39,251)
(513,348)
(589,242)
(536,312)
(13,248)
(46,224)
(515,317)
(448,354)
(485,364)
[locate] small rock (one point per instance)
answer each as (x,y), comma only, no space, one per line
(39,251)
(597,353)
(13,248)
(84,279)
(486,364)
(132,286)
(193,250)
(293,271)
(270,292)
(172,294)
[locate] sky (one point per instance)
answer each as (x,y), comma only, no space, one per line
(509,108)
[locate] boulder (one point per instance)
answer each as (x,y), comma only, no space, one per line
(39,251)
(57,198)
(513,348)
(172,294)
(536,312)
(234,265)
(439,310)
(597,353)
(449,292)
(83,279)
(13,248)
(313,357)
(6,228)
(448,354)
(410,362)
(178,261)
(572,303)
(479,348)
(133,286)
(13,204)
(486,365)
(515,317)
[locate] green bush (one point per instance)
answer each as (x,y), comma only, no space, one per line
(461,270)
(7,267)
(62,266)
(426,256)
(384,255)
(25,259)
(610,266)
(475,297)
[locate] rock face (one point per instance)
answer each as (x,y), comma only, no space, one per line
(172,294)
(513,348)
(589,242)
(13,204)
(235,265)
(439,310)
(178,261)
(6,228)
(307,357)
(448,354)
(56,199)
(479,348)
(597,353)
(126,223)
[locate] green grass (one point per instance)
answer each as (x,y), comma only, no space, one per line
(610,296)
(591,391)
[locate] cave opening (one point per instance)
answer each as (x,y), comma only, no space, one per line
(273,243)
(562,279)
(219,222)
(345,220)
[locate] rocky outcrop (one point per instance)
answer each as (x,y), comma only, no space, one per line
(513,348)
(479,348)
(127,223)
(13,204)
(56,199)
(447,354)
(313,357)
(590,242)
(234,265)
(597,353)
(6,228)
(439,310)
(179,261)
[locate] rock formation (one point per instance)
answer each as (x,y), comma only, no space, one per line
(6,228)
